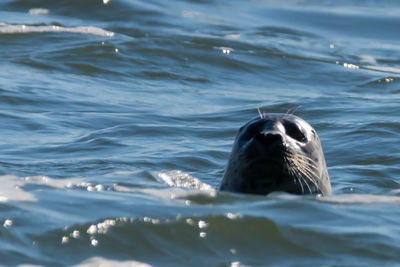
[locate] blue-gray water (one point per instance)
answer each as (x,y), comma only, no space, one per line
(117,120)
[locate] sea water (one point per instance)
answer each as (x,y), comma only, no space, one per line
(117,120)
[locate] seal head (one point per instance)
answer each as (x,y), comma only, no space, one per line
(277,153)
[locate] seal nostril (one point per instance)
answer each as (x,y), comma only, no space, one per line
(270,138)
(274,137)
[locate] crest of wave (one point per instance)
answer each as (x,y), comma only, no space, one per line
(177,178)
(100,261)
(22,28)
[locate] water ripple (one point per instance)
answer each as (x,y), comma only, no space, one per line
(14,29)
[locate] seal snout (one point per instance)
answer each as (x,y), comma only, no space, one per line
(270,145)
(270,137)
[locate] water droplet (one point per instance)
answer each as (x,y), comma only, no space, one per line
(155,221)
(75,234)
(202,224)
(92,230)
(99,187)
(8,223)
(350,66)
(231,216)
(64,240)
(94,242)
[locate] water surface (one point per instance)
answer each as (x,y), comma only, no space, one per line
(117,119)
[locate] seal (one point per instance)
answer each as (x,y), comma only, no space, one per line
(277,152)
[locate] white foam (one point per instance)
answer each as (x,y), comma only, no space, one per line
(38,11)
(21,28)
(179,182)
(367,59)
(225,50)
(55,183)
(10,190)
(235,36)
(360,199)
(100,261)
(177,178)
(383,69)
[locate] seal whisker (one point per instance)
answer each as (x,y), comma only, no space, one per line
(262,116)
(305,181)
(309,176)
(307,169)
(293,170)
(306,162)
(292,111)
(303,177)
(304,166)
(298,179)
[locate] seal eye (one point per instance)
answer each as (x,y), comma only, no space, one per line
(314,133)
(294,132)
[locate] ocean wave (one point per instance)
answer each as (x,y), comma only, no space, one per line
(22,28)
(178,178)
(100,261)
(38,11)
(384,69)
(12,187)
(235,237)
(361,199)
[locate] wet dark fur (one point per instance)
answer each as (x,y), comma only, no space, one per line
(277,153)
